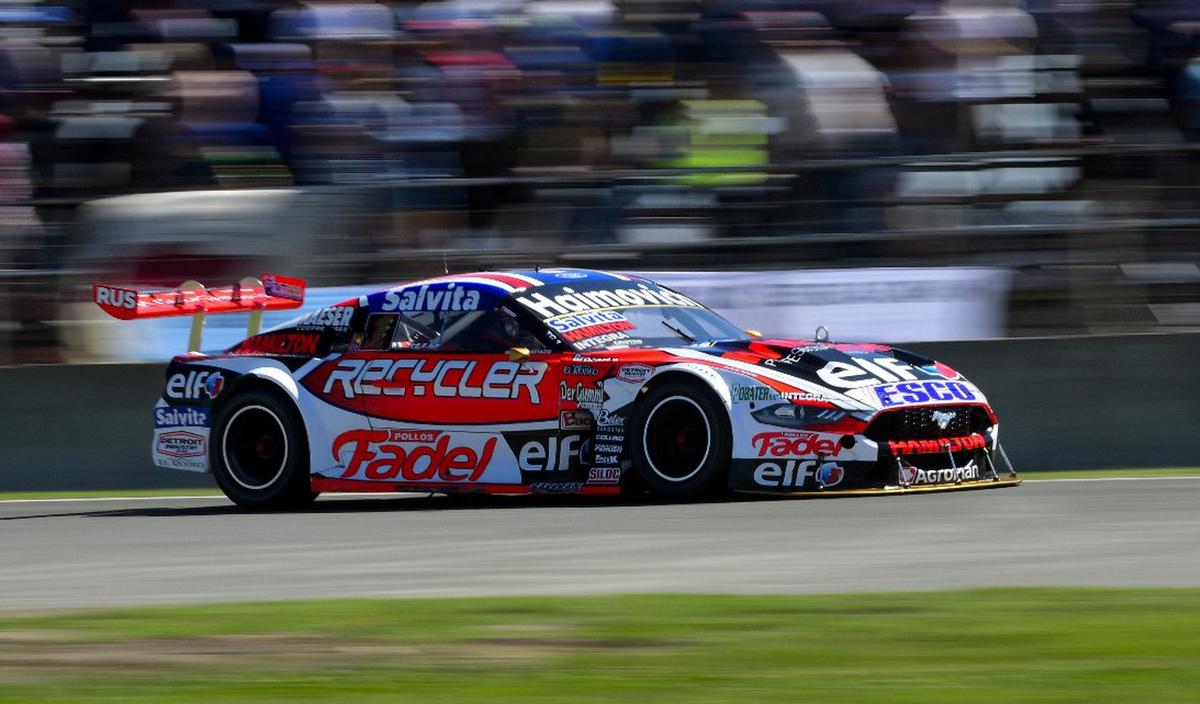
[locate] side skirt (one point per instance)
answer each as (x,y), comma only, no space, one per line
(330,484)
(887,490)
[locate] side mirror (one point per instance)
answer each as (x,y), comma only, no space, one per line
(518,354)
(753,333)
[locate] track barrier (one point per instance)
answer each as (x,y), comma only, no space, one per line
(1064,403)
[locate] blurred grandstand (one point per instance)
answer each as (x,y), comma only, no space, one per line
(355,142)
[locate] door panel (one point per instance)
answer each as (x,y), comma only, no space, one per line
(443,418)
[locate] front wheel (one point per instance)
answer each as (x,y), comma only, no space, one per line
(683,441)
(259,452)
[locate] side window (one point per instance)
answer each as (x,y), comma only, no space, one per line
(461,331)
(349,330)
(379,331)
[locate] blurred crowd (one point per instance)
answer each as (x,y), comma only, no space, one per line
(387,128)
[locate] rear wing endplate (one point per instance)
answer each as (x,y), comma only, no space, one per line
(192,298)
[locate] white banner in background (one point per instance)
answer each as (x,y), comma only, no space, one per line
(880,305)
(856,305)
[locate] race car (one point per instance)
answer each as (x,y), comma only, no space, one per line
(561,381)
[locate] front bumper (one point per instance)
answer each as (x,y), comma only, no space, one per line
(898,467)
(886,490)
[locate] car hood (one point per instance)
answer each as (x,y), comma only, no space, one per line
(875,376)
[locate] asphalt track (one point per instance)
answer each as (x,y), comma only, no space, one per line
(68,554)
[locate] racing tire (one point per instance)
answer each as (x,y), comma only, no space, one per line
(681,442)
(259,452)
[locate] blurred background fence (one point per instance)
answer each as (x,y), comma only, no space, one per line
(361,142)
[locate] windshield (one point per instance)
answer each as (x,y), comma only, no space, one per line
(621,315)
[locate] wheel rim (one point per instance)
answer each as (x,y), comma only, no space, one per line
(677,439)
(255,447)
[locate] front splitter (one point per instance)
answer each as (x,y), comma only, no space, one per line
(889,490)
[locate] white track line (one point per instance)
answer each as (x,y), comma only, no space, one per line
(410,494)
(110,498)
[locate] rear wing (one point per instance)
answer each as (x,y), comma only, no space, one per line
(192,298)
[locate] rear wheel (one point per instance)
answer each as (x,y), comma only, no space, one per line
(259,452)
(683,441)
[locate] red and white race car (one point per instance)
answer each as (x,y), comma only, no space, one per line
(553,381)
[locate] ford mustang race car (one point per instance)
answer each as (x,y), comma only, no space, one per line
(549,381)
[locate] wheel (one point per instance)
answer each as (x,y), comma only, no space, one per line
(684,443)
(259,452)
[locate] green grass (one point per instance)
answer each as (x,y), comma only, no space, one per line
(106,493)
(151,493)
(1002,645)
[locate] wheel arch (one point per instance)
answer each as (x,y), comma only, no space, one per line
(290,485)
(269,380)
(698,374)
(705,382)
(691,374)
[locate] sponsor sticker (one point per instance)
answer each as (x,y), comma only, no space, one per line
(610,339)
(593,359)
(550,454)
(575,420)
(912,392)
(116,297)
(191,464)
(634,373)
(283,287)
(940,445)
(447,378)
(432,297)
(795,444)
(194,385)
(604,475)
(798,474)
(588,324)
(611,419)
(860,371)
(181,444)
(830,474)
(181,416)
(914,476)
(795,354)
(555,487)
(410,455)
(753,393)
(336,317)
(568,302)
(280,343)
(580,393)
(580,370)
(743,394)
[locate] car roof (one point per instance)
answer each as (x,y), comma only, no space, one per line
(518,279)
(480,290)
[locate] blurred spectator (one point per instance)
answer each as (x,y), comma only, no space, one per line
(528,126)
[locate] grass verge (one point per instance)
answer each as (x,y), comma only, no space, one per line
(106,494)
(1010,645)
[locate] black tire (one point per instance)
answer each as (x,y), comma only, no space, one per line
(259,452)
(681,441)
